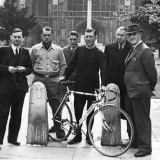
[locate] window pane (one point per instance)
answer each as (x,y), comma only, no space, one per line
(108,2)
(69,7)
(103,7)
(80,1)
(103,1)
(108,8)
(113,1)
(74,7)
(80,8)
(85,1)
(85,7)
(74,1)
(113,8)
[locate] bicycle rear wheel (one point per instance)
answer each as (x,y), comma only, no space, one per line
(113,142)
(65,122)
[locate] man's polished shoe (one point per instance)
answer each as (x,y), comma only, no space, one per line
(14,143)
(141,154)
(75,140)
(52,129)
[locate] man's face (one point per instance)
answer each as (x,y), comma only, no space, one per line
(73,41)
(16,38)
(47,36)
(90,39)
(121,37)
(134,38)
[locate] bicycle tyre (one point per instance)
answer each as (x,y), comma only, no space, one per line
(110,144)
(65,123)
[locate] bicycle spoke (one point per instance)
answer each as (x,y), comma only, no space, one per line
(110,143)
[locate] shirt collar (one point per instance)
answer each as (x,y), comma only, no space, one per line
(121,44)
(134,46)
(14,48)
(73,48)
(52,46)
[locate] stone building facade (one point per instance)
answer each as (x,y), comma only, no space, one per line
(66,15)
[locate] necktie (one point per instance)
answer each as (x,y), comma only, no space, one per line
(120,48)
(16,52)
(130,52)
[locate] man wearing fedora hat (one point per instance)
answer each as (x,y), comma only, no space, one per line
(140,81)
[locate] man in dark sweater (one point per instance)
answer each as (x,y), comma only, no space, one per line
(15,65)
(87,60)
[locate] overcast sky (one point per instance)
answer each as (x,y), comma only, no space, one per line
(1,2)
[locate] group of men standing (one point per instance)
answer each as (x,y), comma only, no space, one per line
(127,63)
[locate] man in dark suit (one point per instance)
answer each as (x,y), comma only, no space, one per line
(140,81)
(15,65)
(116,54)
(87,60)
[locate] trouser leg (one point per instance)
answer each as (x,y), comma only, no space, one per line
(5,103)
(54,91)
(16,113)
(79,103)
(141,109)
(130,112)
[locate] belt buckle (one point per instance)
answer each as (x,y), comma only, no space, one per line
(46,75)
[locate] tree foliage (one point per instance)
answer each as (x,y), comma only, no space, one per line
(148,17)
(11,17)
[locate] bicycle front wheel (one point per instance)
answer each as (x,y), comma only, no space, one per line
(110,134)
(64,121)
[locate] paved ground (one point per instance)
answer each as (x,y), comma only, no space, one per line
(81,151)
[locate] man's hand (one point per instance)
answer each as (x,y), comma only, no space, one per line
(61,79)
(21,69)
(12,69)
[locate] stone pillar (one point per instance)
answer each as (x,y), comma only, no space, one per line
(89,14)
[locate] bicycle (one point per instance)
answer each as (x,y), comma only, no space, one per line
(102,129)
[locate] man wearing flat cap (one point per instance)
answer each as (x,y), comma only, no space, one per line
(140,81)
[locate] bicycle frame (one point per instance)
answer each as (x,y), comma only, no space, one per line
(91,108)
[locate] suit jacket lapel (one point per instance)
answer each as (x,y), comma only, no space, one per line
(8,54)
(135,51)
(116,50)
(69,49)
(123,54)
(132,54)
